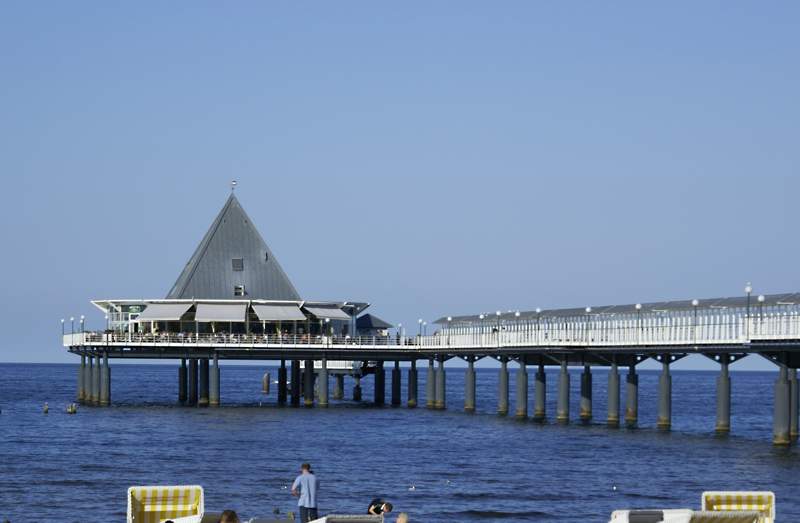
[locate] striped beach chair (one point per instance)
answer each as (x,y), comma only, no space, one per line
(761,502)
(159,503)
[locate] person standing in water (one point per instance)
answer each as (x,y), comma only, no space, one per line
(305,488)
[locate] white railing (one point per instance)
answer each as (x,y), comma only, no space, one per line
(651,330)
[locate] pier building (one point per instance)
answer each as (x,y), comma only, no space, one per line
(233,301)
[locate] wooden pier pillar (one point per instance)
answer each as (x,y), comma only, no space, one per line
(441,386)
(105,383)
(522,390)
(192,383)
(781,417)
(295,383)
(794,399)
(87,381)
(81,373)
(613,396)
(632,398)
(357,389)
(430,386)
(664,421)
(380,385)
(469,386)
(282,384)
(308,383)
(586,394)
(323,384)
(213,393)
(412,385)
(502,388)
(396,385)
(540,394)
(96,381)
(723,424)
(203,400)
(182,382)
(338,387)
(562,406)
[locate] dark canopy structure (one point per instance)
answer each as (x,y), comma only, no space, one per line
(233,262)
(371,322)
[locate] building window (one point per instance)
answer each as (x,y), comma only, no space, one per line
(238,264)
(238,290)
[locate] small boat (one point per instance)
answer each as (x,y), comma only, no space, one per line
(715,507)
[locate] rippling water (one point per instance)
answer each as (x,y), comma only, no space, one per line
(463,467)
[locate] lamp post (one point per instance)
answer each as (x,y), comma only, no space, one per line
(497,314)
(748,289)
(62,327)
(71,325)
(760,307)
(588,324)
(328,328)
(516,325)
(82,320)
(449,319)
(695,303)
(399,332)
(638,307)
(419,321)
(538,317)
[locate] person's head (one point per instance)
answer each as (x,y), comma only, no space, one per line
(229,516)
(402,518)
(305,467)
(387,507)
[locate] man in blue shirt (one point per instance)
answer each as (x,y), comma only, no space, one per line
(305,487)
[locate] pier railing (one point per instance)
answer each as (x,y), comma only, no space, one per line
(551,332)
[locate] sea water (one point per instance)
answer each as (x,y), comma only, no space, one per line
(439,466)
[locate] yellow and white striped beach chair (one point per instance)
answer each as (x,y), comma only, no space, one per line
(763,502)
(159,503)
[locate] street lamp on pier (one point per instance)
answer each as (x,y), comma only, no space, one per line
(449,319)
(62,327)
(638,307)
(82,320)
(760,307)
(748,289)
(419,321)
(538,317)
(695,303)
(588,324)
(71,325)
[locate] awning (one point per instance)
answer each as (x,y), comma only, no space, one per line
(220,312)
(275,312)
(331,314)
(164,311)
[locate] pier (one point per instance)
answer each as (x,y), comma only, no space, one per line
(233,302)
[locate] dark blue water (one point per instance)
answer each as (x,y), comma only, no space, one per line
(478,467)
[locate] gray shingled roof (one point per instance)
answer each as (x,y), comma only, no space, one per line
(210,273)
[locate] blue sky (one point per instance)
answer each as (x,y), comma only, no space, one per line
(430,158)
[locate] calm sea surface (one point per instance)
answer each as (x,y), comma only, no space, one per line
(462,467)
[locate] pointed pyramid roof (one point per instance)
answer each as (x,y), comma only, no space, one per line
(233,253)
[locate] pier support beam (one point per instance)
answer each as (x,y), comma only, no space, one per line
(282,384)
(586,394)
(502,388)
(308,383)
(522,390)
(781,419)
(632,398)
(664,421)
(723,396)
(323,384)
(81,373)
(469,386)
(357,389)
(441,386)
(192,399)
(338,387)
(87,381)
(794,399)
(182,382)
(213,393)
(105,383)
(540,394)
(380,385)
(96,381)
(204,374)
(295,383)
(412,385)
(562,406)
(613,396)
(430,386)
(396,385)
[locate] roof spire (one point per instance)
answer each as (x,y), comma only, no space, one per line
(233,185)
